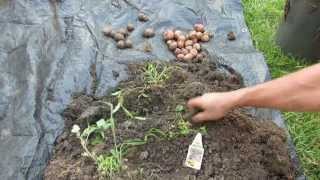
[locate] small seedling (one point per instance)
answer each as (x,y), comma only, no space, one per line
(153,74)
(120,97)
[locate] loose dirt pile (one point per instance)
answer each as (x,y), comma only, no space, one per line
(237,147)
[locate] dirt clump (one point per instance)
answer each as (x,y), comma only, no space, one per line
(238,147)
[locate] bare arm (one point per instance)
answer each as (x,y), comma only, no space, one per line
(299,91)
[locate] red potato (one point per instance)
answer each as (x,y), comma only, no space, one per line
(173,45)
(180,57)
(188,43)
(205,38)
(188,57)
(180,44)
(194,52)
(177,51)
(199,27)
(168,35)
(197,46)
(199,35)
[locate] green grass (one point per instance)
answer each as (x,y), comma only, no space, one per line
(263,17)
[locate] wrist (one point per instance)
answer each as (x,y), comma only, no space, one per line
(240,97)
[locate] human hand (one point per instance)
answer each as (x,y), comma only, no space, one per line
(212,106)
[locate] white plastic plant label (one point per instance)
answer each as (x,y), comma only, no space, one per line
(195,153)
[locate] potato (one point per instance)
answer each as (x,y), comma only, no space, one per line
(192,34)
(199,35)
(142,17)
(199,27)
(168,35)
(188,43)
(107,31)
(180,57)
(188,57)
(173,45)
(197,46)
(148,33)
(177,51)
(118,36)
(128,43)
(194,52)
(123,31)
(181,44)
(177,33)
(205,38)
(121,44)
(130,27)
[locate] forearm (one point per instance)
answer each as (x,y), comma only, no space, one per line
(299,91)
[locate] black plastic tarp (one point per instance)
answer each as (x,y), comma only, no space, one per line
(51,49)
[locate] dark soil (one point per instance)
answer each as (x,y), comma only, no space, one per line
(237,147)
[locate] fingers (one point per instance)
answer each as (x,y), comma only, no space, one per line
(195,103)
(200,117)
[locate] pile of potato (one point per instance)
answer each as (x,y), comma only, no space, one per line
(120,36)
(186,46)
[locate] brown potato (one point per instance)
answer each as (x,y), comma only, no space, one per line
(118,36)
(142,17)
(194,40)
(149,33)
(107,31)
(121,44)
(128,43)
(130,27)
(123,31)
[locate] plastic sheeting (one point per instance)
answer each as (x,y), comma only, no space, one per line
(50,50)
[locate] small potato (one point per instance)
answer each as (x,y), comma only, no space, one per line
(177,51)
(148,33)
(121,44)
(194,52)
(205,38)
(107,31)
(188,57)
(199,35)
(173,45)
(123,31)
(192,34)
(130,27)
(118,36)
(180,57)
(189,48)
(231,36)
(142,17)
(128,43)
(169,42)
(194,40)
(209,34)
(199,27)
(184,51)
(168,35)
(177,33)
(188,43)
(180,44)
(197,46)
(182,38)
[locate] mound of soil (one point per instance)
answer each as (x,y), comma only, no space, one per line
(237,147)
